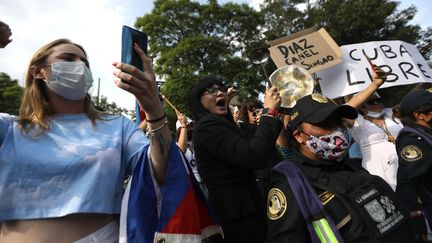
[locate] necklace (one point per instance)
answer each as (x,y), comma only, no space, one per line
(383,127)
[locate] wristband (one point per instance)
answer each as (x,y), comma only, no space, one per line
(156,120)
(151,132)
(269,111)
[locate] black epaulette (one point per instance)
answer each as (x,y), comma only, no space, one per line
(408,134)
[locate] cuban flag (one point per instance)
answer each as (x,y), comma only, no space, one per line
(140,115)
(175,212)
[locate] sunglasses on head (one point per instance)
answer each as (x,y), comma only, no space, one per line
(213,90)
(374,101)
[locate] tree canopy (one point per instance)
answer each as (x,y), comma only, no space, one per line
(102,104)
(10,94)
(192,40)
(347,21)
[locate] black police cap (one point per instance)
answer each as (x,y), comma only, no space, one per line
(315,108)
(414,99)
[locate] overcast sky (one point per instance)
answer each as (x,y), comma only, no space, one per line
(96,25)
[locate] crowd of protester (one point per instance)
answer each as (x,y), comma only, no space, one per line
(268,176)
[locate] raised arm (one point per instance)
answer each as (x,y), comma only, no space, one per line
(231,92)
(379,76)
(216,134)
(143,86)
(182,137)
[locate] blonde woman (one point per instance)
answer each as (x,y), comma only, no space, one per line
(62,163)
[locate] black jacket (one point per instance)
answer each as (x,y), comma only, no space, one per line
(226,158)
(226,161)
(414,171)
(415,160)
(225,154)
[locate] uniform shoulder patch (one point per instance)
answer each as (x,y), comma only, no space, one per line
(411,153)
(276,204)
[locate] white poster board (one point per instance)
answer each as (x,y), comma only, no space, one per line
(403,62)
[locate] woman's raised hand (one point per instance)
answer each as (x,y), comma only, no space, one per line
(142,84)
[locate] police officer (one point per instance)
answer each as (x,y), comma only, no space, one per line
(414,147)
(323,196)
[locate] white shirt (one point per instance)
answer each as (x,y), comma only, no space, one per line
(379,155)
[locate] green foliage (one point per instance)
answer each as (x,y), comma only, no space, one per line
(425,43)
(347,21)
(110,107)
(131,114)
(192,40)
(10,94)
(284,17)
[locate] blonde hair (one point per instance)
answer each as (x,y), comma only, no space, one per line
(36,110)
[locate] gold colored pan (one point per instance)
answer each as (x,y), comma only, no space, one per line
(293,83)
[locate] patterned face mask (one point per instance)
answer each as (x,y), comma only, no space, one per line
(333,146)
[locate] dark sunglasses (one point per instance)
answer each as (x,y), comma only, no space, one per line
(256,112)
(374,101)
(214,90)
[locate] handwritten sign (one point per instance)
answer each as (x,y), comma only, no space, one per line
(402,61)
(310,49)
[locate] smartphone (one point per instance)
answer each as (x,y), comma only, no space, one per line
(129,55)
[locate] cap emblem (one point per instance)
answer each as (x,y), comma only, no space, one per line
(319,98)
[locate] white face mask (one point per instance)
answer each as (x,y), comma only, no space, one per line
(71,80)
(375,114)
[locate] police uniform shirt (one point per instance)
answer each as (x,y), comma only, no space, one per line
(332,183)
(415,159)
(415,169)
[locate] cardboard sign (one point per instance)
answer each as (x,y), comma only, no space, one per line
(310,49)
(402,61)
